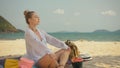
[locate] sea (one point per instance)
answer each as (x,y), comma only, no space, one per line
(73,36)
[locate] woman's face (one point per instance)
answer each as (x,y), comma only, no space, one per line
(34,20)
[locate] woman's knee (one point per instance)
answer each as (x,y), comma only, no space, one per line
(68,50)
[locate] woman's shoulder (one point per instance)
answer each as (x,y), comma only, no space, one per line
(27,30)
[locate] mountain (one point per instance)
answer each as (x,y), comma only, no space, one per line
(106,31)
(5,26)
(101,31)
(117,31)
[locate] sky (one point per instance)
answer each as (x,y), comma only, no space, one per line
(65,15)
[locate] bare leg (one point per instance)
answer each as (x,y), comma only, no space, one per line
(47,62)
(53,64)
(62,56)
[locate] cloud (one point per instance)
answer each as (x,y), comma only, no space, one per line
(59,11)
(109,13)
(76,13)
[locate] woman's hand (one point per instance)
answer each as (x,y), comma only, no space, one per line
(69,49)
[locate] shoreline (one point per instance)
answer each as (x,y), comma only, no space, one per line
(81,40)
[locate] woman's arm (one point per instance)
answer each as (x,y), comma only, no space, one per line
(55,42)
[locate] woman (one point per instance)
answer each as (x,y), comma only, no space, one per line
(36,45)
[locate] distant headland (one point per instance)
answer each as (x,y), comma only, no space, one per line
(7,27)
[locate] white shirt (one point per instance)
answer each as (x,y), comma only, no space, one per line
(36,48)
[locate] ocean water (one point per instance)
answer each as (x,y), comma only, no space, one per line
(12,36)
(88,36)
(70,36)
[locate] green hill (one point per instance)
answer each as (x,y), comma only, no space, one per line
(101,31)
(5,26)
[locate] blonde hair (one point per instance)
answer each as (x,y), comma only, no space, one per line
(28,14)
(74,50)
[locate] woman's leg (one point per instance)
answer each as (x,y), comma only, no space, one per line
(62,56)
(47,62)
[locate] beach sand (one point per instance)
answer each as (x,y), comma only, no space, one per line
(104,54)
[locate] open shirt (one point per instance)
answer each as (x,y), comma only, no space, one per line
(36,48)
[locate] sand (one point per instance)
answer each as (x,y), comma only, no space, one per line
(104,54)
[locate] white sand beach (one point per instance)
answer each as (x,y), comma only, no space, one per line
(105,54)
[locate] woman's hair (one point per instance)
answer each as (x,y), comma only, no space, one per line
(74,49)
(28,14)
